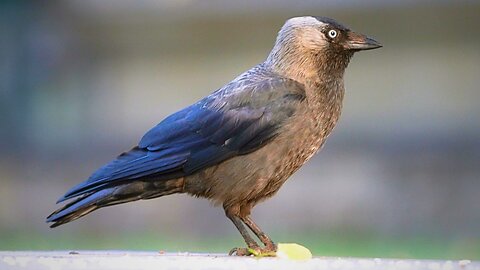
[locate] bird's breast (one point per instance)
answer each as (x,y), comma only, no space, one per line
(260,174)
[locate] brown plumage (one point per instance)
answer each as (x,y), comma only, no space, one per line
(238,145)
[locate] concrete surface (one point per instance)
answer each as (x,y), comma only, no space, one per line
(119,260)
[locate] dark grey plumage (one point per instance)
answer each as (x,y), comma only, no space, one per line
(238,145)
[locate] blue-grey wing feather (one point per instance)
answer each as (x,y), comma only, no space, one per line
(235,120)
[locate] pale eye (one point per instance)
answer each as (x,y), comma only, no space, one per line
(332,33)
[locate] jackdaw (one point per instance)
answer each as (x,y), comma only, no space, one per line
(237,146)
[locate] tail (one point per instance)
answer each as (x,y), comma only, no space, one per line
(108,196)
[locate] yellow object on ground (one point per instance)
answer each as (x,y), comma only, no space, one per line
(293,251)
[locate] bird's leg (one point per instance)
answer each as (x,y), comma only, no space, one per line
(246,236)
(269,245)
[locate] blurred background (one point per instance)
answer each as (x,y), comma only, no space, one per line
(82,80)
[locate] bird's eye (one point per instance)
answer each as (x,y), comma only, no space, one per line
(332,33)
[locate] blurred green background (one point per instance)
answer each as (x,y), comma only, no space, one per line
(81,81)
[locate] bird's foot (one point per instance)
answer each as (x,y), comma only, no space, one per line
(236,251)
(256,251)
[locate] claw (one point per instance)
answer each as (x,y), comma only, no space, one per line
(239,252)
(257,252)
(263,252)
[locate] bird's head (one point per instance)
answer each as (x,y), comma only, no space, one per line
(317,43)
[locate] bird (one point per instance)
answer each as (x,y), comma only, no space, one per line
(237,146)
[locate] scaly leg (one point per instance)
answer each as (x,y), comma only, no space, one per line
(246,236)
(269,245)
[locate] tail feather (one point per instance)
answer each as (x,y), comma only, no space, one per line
(111,196)
(130,166)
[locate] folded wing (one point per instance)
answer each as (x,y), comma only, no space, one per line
(235,120)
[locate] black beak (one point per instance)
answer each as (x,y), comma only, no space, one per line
(359,42)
